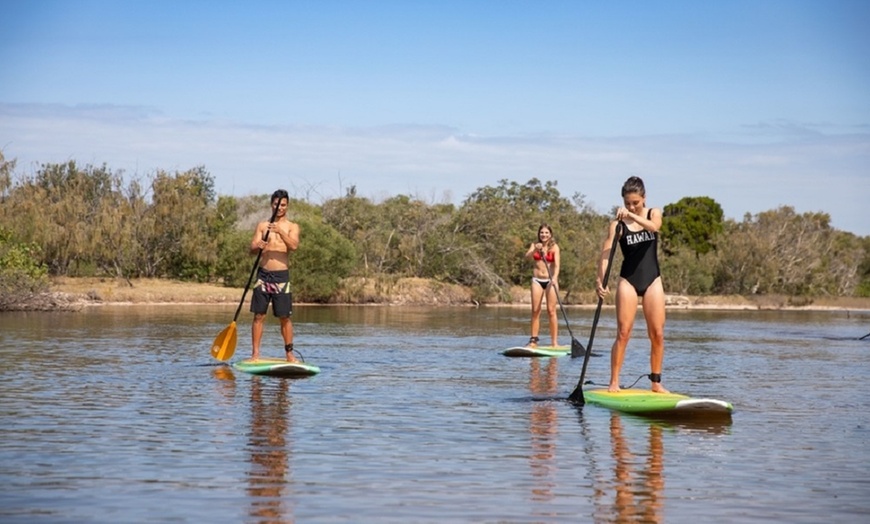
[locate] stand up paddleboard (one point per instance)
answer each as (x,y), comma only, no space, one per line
(645,402)
(540,351)
(276,367)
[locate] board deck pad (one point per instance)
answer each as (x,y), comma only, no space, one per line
(645,402)
(540,351)
(276,367)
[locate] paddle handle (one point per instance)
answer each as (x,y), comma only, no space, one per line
(256,264)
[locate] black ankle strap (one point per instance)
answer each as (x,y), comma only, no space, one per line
(655,377)
(288,348)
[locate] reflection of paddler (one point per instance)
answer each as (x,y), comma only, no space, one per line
(548,383)
(543,427)
(637,490)
(268,445)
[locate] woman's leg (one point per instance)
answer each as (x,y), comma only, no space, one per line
(626,309)
(552,302)
(654,313)
(537,298)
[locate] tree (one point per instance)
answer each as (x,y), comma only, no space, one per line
(686,272)
(496,225)
(694,222)
(323,258)
(863,288)
(58,207)
(7,167)
(357,219)
(22,275)
(781,251)
(186,227)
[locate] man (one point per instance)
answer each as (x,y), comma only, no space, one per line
(274,241)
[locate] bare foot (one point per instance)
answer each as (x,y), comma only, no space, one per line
(658,388)
(614,388)
(291,358)
(255,355)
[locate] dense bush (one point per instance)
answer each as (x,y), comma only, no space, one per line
(72,221)
(22,273)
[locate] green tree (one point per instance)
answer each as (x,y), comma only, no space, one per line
(7,167)
(694,222)
(686,272)
(187,228)
(495,225)
(22,275)
(781,251)
(58,208)
(323,258)
(863,287)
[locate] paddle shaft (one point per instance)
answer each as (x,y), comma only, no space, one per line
(576,396)
(556,289)
(256,264)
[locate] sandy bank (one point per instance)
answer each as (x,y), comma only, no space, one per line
(74,293)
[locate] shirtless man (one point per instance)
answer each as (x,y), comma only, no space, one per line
(275,240)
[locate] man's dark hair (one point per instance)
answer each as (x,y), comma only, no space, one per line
(279,194)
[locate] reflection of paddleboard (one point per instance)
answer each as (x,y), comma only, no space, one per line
(645,402)
(540,351)
(276,367)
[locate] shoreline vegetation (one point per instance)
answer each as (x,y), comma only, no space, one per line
(74,294)
(172,228)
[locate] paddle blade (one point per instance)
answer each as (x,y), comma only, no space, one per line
(224,344)
(576,396)
(577,348)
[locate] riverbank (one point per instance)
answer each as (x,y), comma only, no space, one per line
(77,293)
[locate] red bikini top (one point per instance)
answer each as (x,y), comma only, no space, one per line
(550,256)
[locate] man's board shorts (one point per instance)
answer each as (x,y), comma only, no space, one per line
(274,287)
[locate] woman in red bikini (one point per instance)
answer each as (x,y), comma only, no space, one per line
(640,279)
(545,278)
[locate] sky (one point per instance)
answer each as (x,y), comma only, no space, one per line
(754,103)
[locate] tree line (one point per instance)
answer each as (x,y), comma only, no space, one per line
(68,220)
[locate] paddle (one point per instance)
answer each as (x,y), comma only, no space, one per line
(224,344)
(576,396)
(576,346)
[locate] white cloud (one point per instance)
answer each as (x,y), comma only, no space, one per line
(771,165)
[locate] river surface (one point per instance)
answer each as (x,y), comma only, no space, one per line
(119,414)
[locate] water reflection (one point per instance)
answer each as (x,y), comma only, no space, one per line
(544,428)
(637,483)
(630,487)
(269,478)
(225,383)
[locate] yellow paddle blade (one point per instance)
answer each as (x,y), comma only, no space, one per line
(224,344)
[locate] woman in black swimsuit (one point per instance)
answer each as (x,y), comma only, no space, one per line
(545,278)
(640,279)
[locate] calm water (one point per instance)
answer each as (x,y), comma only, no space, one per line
(118,414)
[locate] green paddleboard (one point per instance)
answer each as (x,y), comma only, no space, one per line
(645,402)
(276,367)
(540,351)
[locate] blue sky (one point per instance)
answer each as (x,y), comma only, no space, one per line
(756,104)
